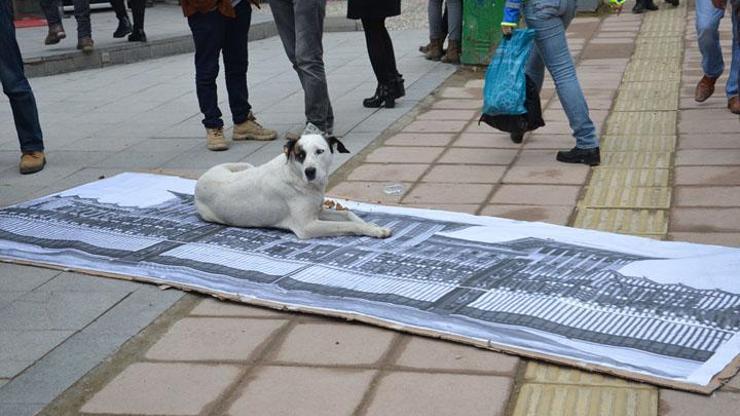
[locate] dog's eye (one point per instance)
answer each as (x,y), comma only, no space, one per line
(319,151)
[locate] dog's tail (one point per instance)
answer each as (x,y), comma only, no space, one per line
(236,167)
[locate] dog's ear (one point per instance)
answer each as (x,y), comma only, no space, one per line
(333,141)
(288,148)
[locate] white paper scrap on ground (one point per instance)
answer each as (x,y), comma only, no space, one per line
(663,312)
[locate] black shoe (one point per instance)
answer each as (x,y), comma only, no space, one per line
(650,5)
(138,35)
(591,157)
(517,137)
(383,98)
(639,8)
(123,29)
(673,2)
(397,88)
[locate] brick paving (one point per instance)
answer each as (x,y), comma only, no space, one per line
(669,171)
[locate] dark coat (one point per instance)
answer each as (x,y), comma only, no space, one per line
(373,9)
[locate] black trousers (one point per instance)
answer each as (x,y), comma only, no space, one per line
(137,10)
(380,49)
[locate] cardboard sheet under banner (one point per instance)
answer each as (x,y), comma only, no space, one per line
(662,312)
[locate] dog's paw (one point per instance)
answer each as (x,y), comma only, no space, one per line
(381,232)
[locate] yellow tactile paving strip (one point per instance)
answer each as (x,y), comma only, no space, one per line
(629,193)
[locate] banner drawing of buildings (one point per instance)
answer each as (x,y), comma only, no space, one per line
(569,290)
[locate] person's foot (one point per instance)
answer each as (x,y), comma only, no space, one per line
(32,162)
(383,97)
(215,139)
(137,35)
(56,34)
(312,129)
(434,52)
(674,3)
(734,104)
(452,56)
(638,8)
(704,89)
(85,44)
(650,5)
(591,157)
(517,137)
(252,130)
(123,29)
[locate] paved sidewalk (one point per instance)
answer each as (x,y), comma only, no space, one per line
(55,326)
(276,363)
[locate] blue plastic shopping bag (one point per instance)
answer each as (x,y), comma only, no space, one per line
(505,88)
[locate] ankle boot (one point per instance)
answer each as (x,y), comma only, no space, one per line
(639,7)
(397,88)
(650,5)
(434,52)
(137,35)
(124,27)
(453,53)
(137,11)
(383,98)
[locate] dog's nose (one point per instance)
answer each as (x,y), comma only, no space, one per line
(310,173)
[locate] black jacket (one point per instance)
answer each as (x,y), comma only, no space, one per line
(373,9)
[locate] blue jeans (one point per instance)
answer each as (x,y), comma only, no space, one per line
(549,19)
(707,30)
(453,23)
(214,34)
(15,84)
(82,15)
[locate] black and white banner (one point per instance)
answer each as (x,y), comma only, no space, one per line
(664,312)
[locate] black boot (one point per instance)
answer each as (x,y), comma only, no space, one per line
(517,137)
(397,88)
(382,98)
(138,35)
(673,2)
(650,5)
(591,157)
(124,27)
(639,7)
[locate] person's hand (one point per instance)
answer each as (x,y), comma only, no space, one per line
(255,3)
(720,4)
(507,30)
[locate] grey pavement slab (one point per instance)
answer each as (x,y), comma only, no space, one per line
(144,117)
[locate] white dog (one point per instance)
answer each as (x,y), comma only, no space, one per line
(287,193)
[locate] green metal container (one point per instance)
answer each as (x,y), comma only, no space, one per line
(481,30)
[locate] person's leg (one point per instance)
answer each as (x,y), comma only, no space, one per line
(390,60)
(732,82)
(82,15)
(309,57)
(376,48)
(707,30)
(549,24)
(138,9)
(236,61)
(208,37)
(454,20)
(51,11)
(434,13)
(16,86)
(119,8)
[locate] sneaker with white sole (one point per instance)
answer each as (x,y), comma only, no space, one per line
(216,139)
(252,130)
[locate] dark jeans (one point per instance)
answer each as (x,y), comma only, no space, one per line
(82,15)
(137,11)
(380,49)
(15,84)
(213,34)
(300,24)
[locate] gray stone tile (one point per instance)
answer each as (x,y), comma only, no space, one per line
(57,310)
(77,282)
(21,409)
(20,349)
(15,277)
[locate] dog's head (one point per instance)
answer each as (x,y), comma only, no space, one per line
(312,155)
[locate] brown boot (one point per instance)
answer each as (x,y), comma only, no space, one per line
(216,140)
(704,89)
(32,162)
(434,52)
(85,44)
(453,53)
(734,104)
(250,129)
(56,33)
